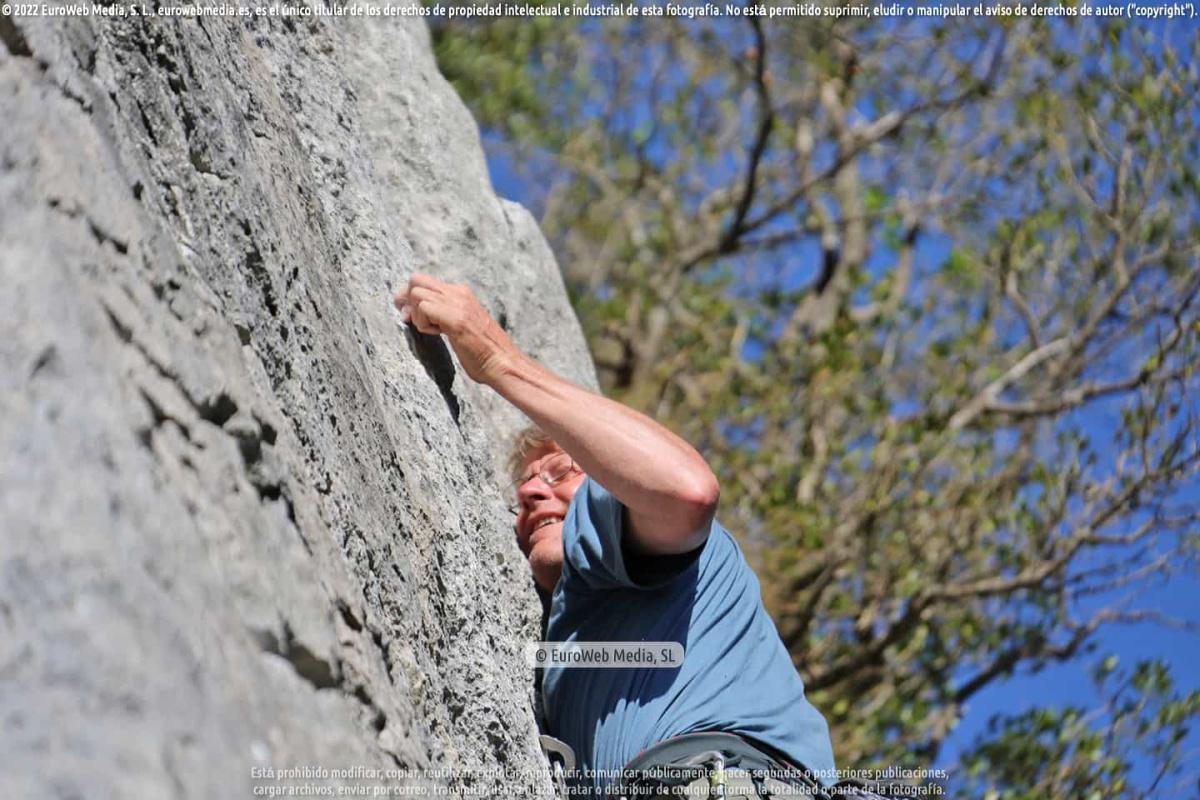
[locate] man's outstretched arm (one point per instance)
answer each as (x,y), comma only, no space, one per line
(669,490)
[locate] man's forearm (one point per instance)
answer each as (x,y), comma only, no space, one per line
(668,488)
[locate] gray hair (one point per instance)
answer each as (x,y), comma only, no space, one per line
(528,440)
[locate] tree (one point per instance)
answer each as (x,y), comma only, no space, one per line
(1073,752)
(925,293)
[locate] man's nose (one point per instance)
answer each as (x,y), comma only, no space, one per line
(532,491)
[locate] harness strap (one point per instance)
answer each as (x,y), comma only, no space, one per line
(715,765)
(711,765)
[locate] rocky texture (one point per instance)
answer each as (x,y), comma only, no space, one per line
(248,519)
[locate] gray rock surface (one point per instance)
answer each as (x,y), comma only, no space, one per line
(249,520)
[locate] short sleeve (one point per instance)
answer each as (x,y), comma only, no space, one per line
(594,554)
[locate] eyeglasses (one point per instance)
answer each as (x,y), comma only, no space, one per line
(554,470)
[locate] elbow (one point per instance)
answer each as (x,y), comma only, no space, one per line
(701,496)
(703,493)
(680,520)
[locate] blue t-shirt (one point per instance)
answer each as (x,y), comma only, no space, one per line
(736,674)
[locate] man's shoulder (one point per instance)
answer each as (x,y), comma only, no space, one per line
(599,556)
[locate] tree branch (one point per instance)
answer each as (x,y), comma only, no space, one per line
(766,121)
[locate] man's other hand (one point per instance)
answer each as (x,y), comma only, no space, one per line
(437,307)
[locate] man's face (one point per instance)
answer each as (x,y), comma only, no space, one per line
(540,519)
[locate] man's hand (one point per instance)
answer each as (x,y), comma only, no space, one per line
(436,307)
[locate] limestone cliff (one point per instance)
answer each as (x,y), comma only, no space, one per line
(249,520)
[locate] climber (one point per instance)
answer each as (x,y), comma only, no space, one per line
(615,516)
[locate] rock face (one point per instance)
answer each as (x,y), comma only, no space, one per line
(249,521)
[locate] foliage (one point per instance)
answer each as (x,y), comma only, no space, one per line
(1071,752)
(924,293)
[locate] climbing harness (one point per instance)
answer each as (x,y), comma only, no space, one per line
(709,766)
(713,765)
(726,766)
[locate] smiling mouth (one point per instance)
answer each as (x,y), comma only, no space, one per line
(547,521)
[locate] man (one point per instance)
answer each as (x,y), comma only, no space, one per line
(616,519)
